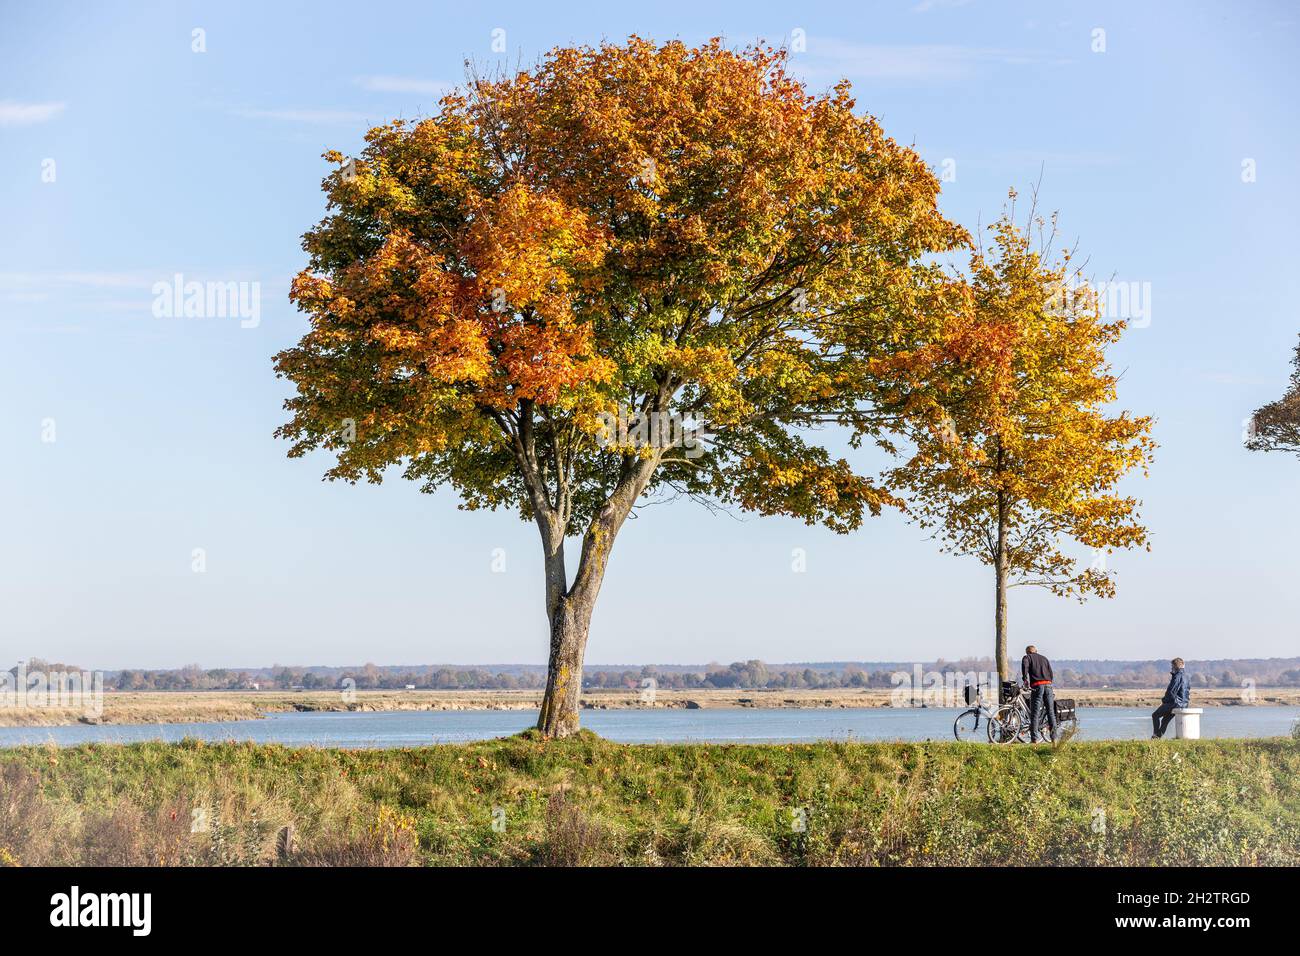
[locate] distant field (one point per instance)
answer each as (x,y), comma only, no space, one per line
(145,707)
(519,801)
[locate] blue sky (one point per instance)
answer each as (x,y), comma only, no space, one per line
(168,161)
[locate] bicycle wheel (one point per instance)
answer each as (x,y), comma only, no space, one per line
(967,725)
(1004,725)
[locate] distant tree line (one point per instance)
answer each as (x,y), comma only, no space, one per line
(740,675)
(757,675)
(366,677)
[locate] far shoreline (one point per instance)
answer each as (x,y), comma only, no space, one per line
(172,707)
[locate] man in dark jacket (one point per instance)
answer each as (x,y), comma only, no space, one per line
(1036,672)
(1177,694)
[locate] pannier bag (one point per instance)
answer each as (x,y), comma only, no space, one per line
(1065,708)
(971,693)
(1010,690)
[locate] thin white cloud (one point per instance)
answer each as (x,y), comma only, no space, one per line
(925,6)
(830,59)
(44,283)
(42,294)
(26,114)
(97,280)
(404,84)
(1067,159)
(317,117)
(1231,378)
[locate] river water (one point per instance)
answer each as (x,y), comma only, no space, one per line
(421,728)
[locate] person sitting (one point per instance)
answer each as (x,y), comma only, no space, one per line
(1178,694)
(1036,671)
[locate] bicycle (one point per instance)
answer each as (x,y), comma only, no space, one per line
(1015,720)
(967,725)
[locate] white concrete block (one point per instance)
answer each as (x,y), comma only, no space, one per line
(1187,723)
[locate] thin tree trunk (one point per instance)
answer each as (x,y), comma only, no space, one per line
(1000,561)
(1000,614)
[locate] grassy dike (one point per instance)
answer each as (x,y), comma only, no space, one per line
(590,801)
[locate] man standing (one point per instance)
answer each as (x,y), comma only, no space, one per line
(1177,694)
(1036,672)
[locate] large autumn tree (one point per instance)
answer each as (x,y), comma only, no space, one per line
(1020,452)
(677,231)
(1276,426)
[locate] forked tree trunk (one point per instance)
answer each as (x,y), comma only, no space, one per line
(569,608)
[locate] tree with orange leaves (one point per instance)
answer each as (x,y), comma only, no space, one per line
(1018,451)
(628,230)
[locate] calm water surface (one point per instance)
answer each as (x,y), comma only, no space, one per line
(419,728)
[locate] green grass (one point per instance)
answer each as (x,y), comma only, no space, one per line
(589,801)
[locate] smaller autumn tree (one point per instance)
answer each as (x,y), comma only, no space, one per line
(1276,426)
(1020,454)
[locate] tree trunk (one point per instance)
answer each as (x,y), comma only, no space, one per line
(1000,622)
(570,624)
(1000,612)
(569,609)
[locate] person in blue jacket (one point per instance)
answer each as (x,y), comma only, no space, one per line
(1177,694)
